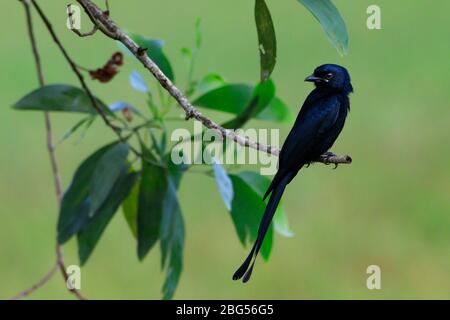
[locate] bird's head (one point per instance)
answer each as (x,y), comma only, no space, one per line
(331,77)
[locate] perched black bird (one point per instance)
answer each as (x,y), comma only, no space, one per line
(316,128)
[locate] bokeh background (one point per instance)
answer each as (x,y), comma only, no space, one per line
(391,207)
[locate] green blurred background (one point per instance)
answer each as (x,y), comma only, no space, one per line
(391,207)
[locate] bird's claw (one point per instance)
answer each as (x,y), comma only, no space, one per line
(327,156)
(326,159)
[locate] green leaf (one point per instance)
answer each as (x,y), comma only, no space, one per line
(209,82)
(85,129)
(154,51)
(172,238)
(224,184)
(266,38)
(152,191)
(260,184)
(107,171)
(277,111)
(75,205)
(187,54)
(90,234)
(176,171)
(263,93)
(130,209)
(231,98)
(235,98)
(281,223)
(77,126)
(330,19)
(59,97)
(246,211)
(159,145)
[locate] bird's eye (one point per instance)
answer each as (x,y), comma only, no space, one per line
(328,76)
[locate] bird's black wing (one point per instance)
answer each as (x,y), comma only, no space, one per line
(315,119)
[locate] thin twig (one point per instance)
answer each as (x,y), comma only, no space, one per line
(74,67)
(110,29)
(107,6)
(62,268)
(38,285)
(59,264)
(117,130)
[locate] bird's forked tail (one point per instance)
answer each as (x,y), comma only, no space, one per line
(245,270)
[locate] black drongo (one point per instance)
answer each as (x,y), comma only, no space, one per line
(316,128)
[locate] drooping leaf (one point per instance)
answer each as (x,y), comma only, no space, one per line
(152,192)
(246,211)
(266,38)
(107,171)
(138,83)
(224,183)
(75,205)
(176,171)
(266,248)
(130,209)
(330,19)
(158,144)
(59,97)
(260,184)
(90,234)
(154,51)
(172,238)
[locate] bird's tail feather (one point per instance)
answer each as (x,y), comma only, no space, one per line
(245,270)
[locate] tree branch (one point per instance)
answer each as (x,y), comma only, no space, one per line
(111,30)
(74,67)
(59,264)
(43,281)
(76,71)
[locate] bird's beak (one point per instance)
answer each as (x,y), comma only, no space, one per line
(313,78)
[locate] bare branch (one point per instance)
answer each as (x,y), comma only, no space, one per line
(75,69)
(59,264)
(62,268)
(331,158)
(38,285)
(110,29)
